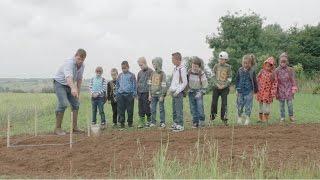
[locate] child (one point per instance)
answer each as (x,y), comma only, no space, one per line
(112,95)
(143,92)
(267,83)
(158,91)
(287,86)
(246,86)
(197,87)
(98,88)
(126,91)
(178,85)
(222,76)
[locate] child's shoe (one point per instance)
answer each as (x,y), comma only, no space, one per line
(162,125)
(178,128)
(212,117)
(103,126)
(174,125)
(292,120)
(194,126)
(225,122)
(260,117)
(202,124)
(239,120)
(282,120)
(152,125)
(141,122)
(265,118)
(247,120)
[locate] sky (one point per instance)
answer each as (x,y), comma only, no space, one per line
(37,36)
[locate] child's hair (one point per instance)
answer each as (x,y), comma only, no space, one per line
(177,55)
(142,60)
(82,53)
(284,54)
(114,70)
(99,68)
(197,61)
(251,58)
(125,63)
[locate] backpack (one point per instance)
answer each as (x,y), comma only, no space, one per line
(186,89)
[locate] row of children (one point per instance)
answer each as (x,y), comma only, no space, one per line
(150,89)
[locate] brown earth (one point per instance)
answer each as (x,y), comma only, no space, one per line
(114,152)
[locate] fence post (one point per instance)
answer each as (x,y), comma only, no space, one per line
(71,129)
(8,131)
(35,121)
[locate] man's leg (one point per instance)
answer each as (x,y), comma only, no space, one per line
(75,110)
(61,94)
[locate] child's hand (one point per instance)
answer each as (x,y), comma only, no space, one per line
(198,95)
(175,94)
(294,89)
(150,98)
(161,99)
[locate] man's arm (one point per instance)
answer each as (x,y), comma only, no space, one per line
(79,83)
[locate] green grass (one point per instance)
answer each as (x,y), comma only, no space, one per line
(22,108)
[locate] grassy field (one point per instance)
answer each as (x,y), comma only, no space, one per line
(22,109)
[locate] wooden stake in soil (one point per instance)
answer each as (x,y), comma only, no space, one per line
(35,122)
(8,131)
(89,125)
(71,129)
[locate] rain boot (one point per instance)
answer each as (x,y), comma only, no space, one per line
(58,131)
(75,122)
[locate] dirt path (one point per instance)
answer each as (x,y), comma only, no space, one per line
(115,151)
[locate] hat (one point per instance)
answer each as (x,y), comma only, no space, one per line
(223,55)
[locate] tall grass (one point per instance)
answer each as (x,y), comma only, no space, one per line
(24,107)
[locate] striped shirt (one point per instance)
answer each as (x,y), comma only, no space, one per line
(98,85)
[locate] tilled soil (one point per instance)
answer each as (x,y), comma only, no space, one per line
(118,153)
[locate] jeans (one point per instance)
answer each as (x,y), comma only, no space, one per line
(282,108)
(244,102)
(154,103)
(177,109)
(196,107)
(64,96)
(98,103)
(125,103)
(224,102)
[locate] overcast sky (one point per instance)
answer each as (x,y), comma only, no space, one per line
(36,36)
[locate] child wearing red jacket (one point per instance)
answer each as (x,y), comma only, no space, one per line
(267,85)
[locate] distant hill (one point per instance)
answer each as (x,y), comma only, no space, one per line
(31,85)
